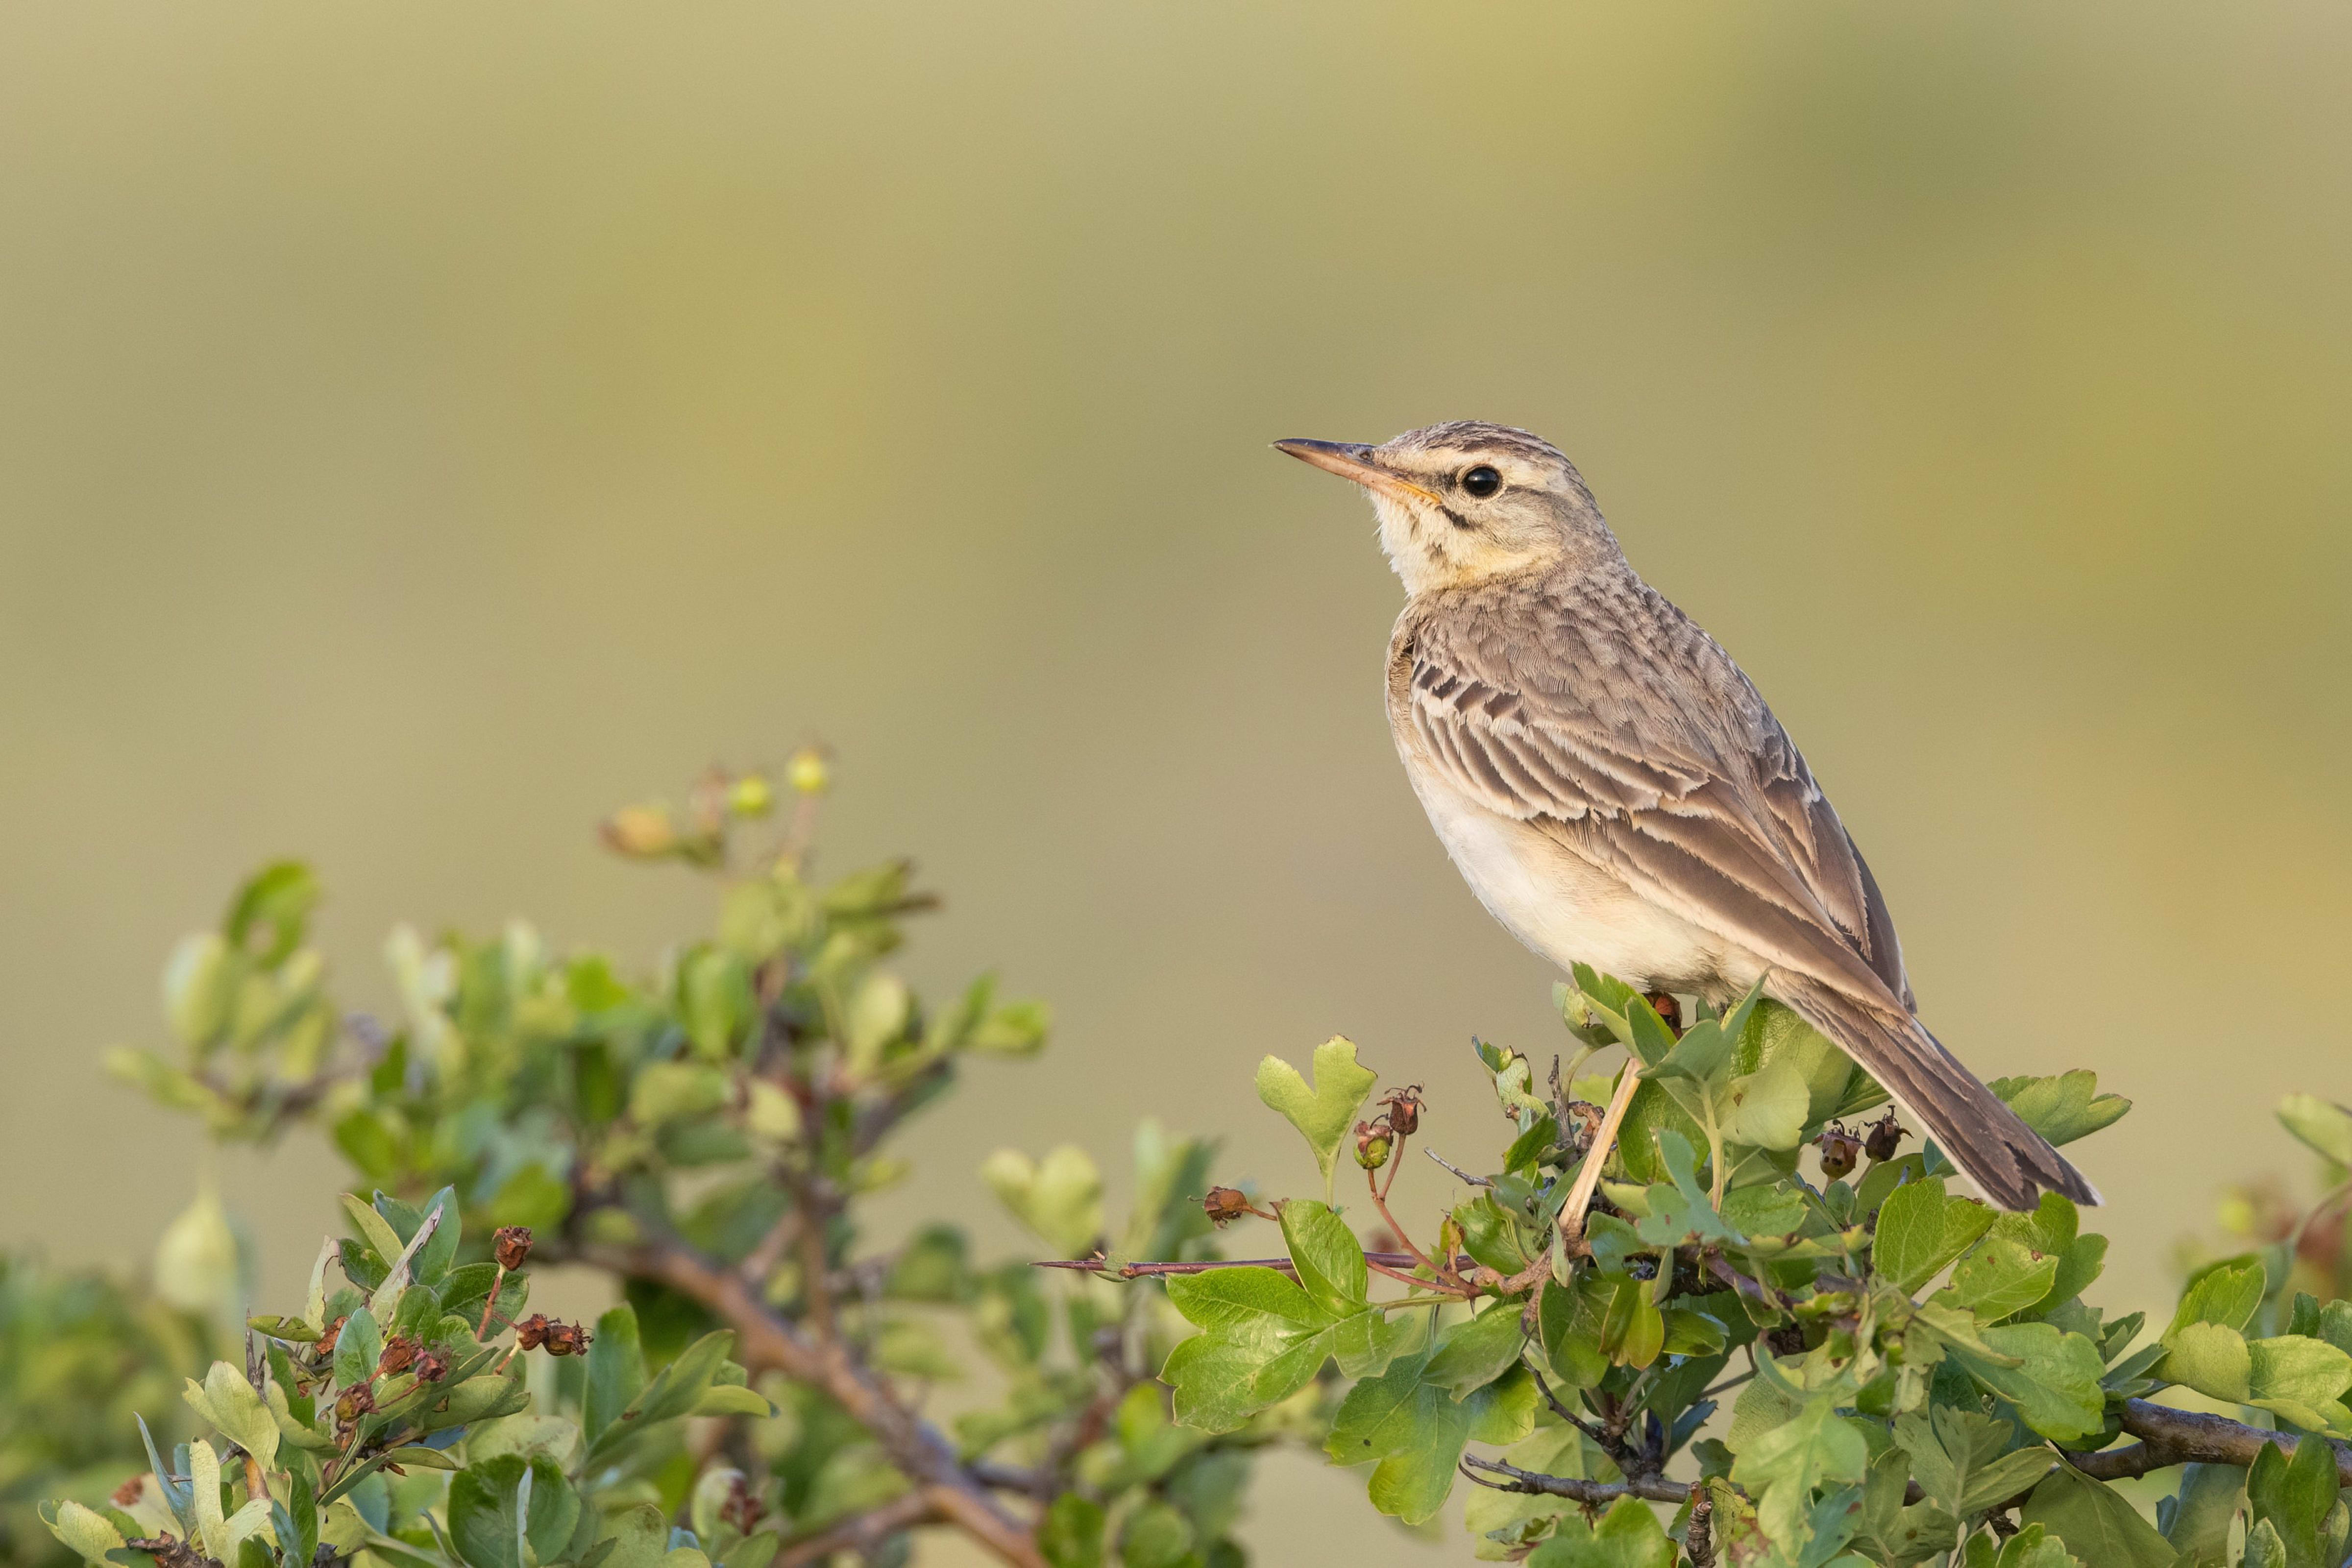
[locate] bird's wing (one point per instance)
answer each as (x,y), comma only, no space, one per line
(1667,768)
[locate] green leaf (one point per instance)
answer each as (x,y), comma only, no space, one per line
(616,1371)
(358,1347)
(1958,1456)
(2227,1293)
(667,1092)
(2001,1277)
(2295,1497)
(1324,1113)
(1892,1532)
(2064,1108)
(1059,1198)
(1071,1533)
(503,1504)
(86,1533)
(1417,1430)
(1764,1210)
(2209,1358)
(639,1538)
(2098,1524)
(1329,1258)
(1628,1536)
(1767,1109)
(1920,1230)
(2197,1523)
(1836,1087)
(1263,1339)
(2292,1368)
(2325,1127)
(1477,1351)
(2055,1384)
(1782,1467)
(233,1406)
(553,1435)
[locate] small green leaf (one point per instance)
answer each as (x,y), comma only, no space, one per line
(501,1505)
(2227,1293)
(1920,1230)
(2295,1497)
(2001,1277)
(87,1534)
(2098,1524)
(1417,1430)
(234,1407)
(2055,1384)
(1323,1113)
(1767,1109)
(2325,1127)
(2211,1359)
(1058,1198)
(2064,1108)
(616,1371)
(1628,1536)
(1782,1467)
(1326,1255)
(1475,1352)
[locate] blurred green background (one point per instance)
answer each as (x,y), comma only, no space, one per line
(425,428)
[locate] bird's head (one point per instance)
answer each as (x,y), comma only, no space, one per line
(1466,502)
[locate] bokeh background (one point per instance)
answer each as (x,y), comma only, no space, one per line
(425,428)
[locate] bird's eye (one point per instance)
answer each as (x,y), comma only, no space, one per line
(1482,481)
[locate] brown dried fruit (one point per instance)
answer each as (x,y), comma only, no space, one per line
(531,1331)
(399,1355)
(432,1366)
(1404,1108)
(1226,1203)
(511,1244)
(1884,1136)
(1840,1149)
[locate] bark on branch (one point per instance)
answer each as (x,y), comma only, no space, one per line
(2168,1437)
(764,1343)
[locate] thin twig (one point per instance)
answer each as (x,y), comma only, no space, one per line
(1594,1494)
(1458,1170)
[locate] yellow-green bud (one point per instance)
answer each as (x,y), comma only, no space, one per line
(752,796)
(808,772)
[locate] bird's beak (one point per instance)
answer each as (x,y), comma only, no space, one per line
(1351,461)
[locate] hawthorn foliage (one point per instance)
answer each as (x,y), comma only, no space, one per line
(1671,1334)
(1699,1353)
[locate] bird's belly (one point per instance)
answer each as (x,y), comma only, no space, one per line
(1570,910)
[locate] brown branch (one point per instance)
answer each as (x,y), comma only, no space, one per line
(2169,1436)
(766,1342)
(862,1532)
(1159,1271)
(1651,1489)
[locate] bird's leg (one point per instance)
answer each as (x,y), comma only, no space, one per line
(1571,1214)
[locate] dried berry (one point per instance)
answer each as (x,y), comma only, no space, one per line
(567,1339)
(1789,1338)
(531,1331)
(431,1366)
(1226,1203)
(355,1402)
(511,1244)
(743,1510)
(1373,1144)
(1405,1106)
(399,1355)
(1884,1136)
(1840,1148)
(1668,1009)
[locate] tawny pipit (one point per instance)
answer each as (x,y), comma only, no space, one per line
(1615,791)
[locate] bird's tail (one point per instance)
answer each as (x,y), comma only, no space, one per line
(2011,1162)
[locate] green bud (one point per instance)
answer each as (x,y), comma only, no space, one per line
(752,796)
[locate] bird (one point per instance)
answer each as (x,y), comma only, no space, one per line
(1616,791)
